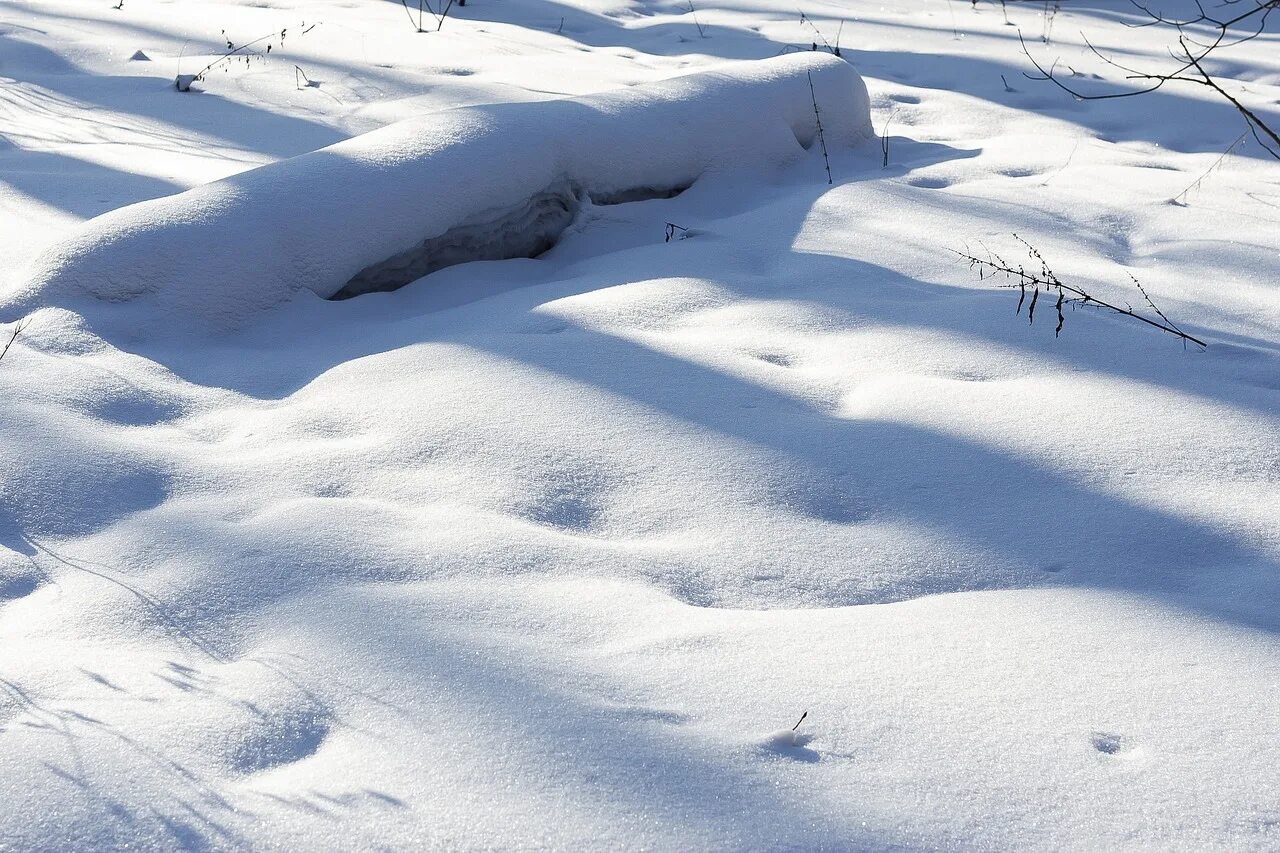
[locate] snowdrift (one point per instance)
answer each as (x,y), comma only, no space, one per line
(384,208)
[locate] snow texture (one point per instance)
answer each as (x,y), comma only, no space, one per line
(549,553)
(380,210)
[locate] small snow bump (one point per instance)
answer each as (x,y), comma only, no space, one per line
(280,738)
(788,743)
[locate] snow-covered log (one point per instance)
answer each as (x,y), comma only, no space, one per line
(374,211)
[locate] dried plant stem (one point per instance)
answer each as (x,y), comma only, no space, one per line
(1181,198)
(696,22)
(822,139)
(1045,279)
(17,330)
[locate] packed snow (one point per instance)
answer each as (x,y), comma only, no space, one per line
(642,489)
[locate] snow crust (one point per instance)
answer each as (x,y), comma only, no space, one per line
(369,213)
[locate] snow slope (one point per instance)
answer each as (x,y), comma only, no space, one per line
(543,553)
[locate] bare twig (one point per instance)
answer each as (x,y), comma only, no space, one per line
(1064,165)
(835,51)
(409,12)
(1191,52)
(244,51)
(1216,163)
(955,27)
(17,330)
(1051,9)
(884,140)
(443,14)
(1066,295)
(1160,314)
(696,22)
(439,16)
(822,139)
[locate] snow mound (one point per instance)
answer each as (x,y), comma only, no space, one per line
(369,213)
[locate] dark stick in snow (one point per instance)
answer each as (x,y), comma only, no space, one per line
(17,330)
(822,139)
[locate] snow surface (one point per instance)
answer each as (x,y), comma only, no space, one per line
(319,220)
(546,553)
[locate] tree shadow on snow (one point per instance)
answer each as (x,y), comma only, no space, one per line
(1165,118)
(1169,118)
(594,752)
(1045,525)
(44,84)
(683,34)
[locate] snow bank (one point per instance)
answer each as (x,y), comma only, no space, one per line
(371,207)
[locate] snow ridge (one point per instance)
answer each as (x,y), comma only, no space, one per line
(368,208)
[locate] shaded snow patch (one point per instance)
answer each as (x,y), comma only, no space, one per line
(525,231)
(280,737)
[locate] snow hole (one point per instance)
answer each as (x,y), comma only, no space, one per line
(525,231)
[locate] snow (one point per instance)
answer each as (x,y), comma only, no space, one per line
(552,552)
(319,220)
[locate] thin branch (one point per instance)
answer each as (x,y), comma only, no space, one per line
(1194,50)
(822,139)
(835,51)
(696,22)
(444,14)
(884,140)
(1196,183)
(409,12)
(17,330)
(1067,295)
(1156,308)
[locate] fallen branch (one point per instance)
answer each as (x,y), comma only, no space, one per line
(1066,295)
